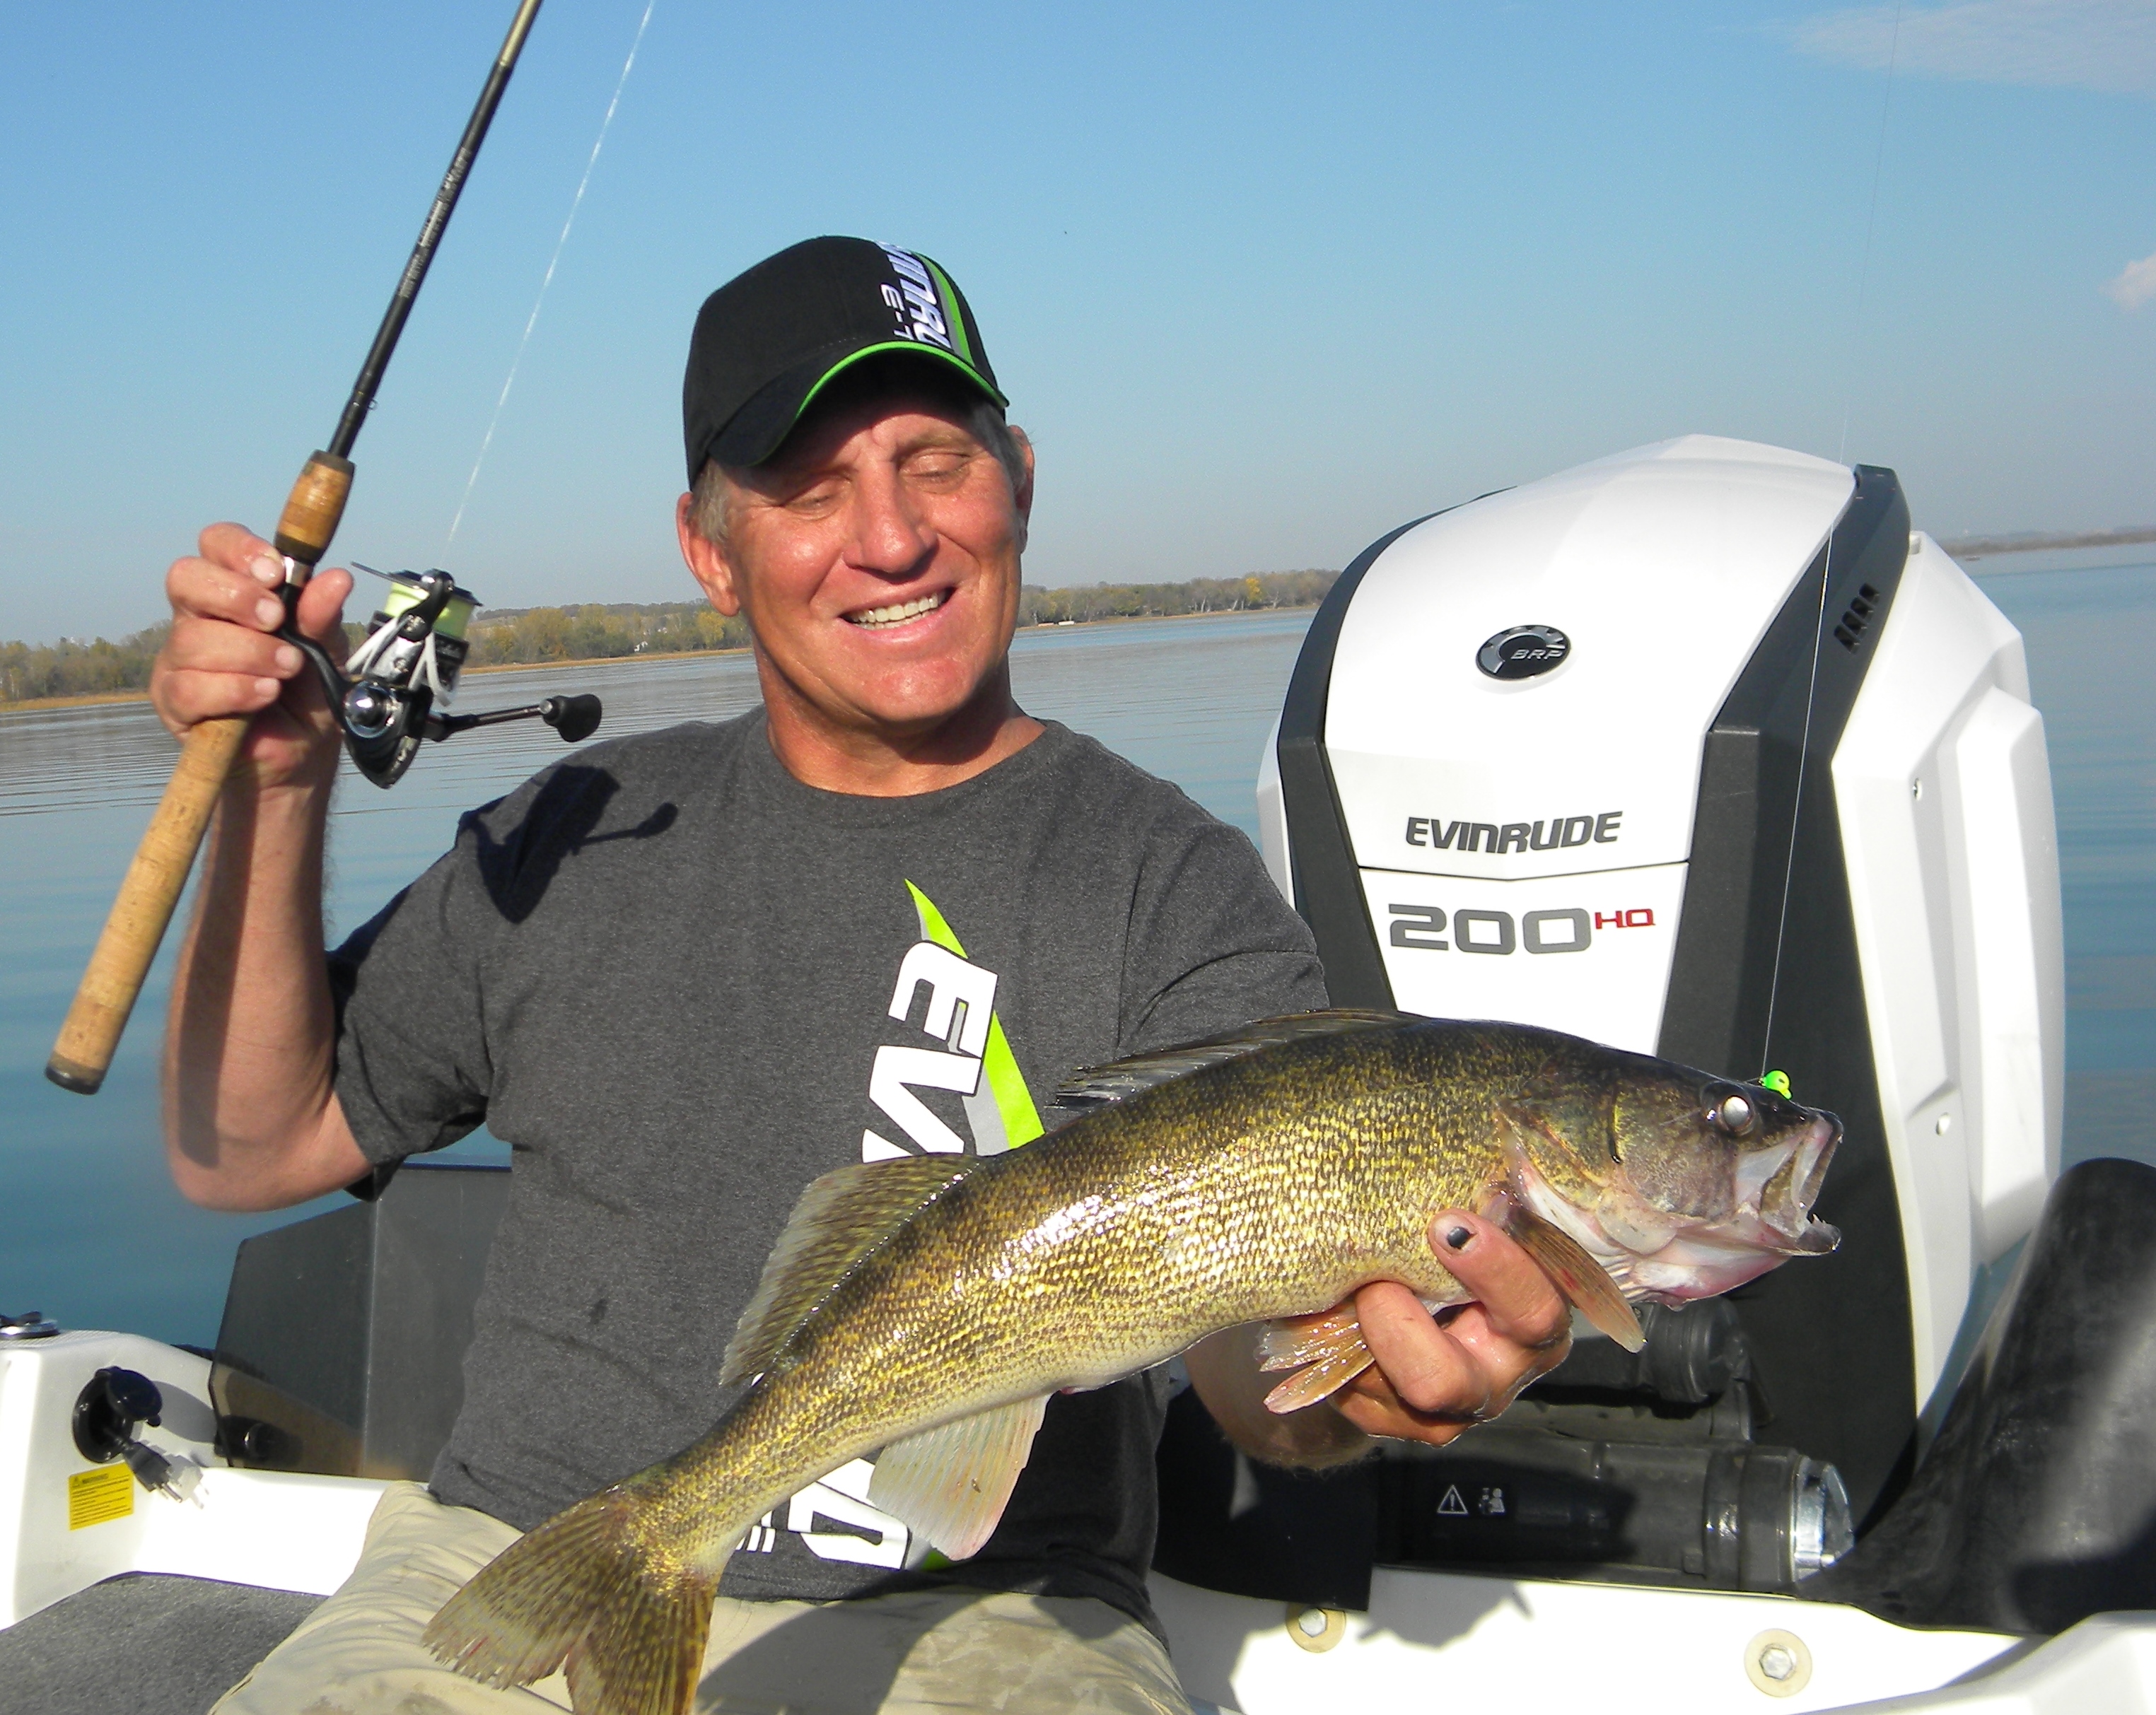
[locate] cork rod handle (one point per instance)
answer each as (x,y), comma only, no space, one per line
(154,880)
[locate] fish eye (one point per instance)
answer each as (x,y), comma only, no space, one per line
(1732,1113)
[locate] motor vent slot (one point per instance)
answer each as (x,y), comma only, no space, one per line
(1856,617)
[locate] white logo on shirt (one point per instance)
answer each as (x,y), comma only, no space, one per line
(962,999)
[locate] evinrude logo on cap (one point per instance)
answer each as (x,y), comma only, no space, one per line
(914,302)
(1523,650)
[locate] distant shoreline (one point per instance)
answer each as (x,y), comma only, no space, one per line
(2045,541)
(94,699)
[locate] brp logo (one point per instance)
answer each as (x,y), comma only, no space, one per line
(1523,650)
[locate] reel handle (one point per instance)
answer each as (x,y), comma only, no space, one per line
(158,875)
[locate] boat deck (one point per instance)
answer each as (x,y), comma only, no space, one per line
(144,1643)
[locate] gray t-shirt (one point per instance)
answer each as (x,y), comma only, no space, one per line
(681,984)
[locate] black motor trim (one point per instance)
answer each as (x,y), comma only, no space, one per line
(1831,1339)
(1328,888)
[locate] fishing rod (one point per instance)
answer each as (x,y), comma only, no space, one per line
(415,644)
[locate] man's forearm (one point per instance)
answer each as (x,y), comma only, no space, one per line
(1224,1371)
(250,1118)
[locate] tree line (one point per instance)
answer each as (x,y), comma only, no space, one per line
(74,668)
(601,631)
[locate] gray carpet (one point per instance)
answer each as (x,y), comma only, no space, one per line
(142,1646)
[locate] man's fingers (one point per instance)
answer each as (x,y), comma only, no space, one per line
(211,668)
(199,645)
(321,613)
(1519,1302)
(185,699)
(237,549)
(1430,1378)
(207,589)
(1422,1363)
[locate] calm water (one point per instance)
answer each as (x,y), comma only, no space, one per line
(91,1233)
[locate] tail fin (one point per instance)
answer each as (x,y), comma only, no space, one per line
(582,1593)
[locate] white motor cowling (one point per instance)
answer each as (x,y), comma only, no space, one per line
(1698,750)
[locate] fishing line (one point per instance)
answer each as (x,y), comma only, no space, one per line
(1796,815)
(560,245)
(1826,571)
(1870,224)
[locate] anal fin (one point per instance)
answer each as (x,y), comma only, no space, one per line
(1326,1351)
(1581,1278)
(952,1483)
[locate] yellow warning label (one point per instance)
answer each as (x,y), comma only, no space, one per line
(98,1497)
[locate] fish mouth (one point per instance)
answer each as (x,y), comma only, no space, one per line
(1787,1196)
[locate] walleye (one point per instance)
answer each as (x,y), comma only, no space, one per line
(930,1307)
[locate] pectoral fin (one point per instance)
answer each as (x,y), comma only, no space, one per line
(1326,1351)
(1296,1340)
(1583,1280)
(952,1483)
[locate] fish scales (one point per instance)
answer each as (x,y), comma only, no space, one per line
(1261,1187)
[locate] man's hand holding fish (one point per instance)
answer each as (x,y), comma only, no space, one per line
(1430,1379)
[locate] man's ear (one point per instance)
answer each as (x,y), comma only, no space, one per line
(706,561)
(1022,492)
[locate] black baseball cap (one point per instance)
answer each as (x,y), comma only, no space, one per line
(769,340)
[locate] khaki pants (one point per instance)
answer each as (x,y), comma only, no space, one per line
(907,1654)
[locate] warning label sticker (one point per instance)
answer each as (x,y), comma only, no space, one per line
(98,1497)
(1451,1506)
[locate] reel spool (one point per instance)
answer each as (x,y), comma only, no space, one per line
(415,650)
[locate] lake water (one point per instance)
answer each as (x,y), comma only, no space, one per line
(91,1231)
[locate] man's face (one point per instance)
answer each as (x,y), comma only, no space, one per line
(876,560)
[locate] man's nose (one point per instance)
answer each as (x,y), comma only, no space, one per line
(891,538)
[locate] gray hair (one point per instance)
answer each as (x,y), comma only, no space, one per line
(712,492)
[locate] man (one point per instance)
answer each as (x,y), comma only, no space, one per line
(684,973)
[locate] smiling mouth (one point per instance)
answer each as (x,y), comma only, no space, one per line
(877,618)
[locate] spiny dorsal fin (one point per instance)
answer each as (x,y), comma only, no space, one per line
(1096,1086)
(952,1483)
(840,1219)
(1582,1279)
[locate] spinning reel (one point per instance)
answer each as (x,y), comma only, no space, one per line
(414,650)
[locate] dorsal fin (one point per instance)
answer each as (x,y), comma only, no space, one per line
(840,1218)
(1096,1086)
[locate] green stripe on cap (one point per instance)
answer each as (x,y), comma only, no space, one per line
(920,346)
(954,318)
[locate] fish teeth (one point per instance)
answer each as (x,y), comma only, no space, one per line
(900,613)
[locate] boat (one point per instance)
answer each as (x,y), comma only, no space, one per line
(1811,839)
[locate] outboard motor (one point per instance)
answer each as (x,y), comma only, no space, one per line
(1698,750)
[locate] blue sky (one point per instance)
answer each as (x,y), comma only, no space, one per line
(1263,281)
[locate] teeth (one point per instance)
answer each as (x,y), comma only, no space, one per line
(899,614)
